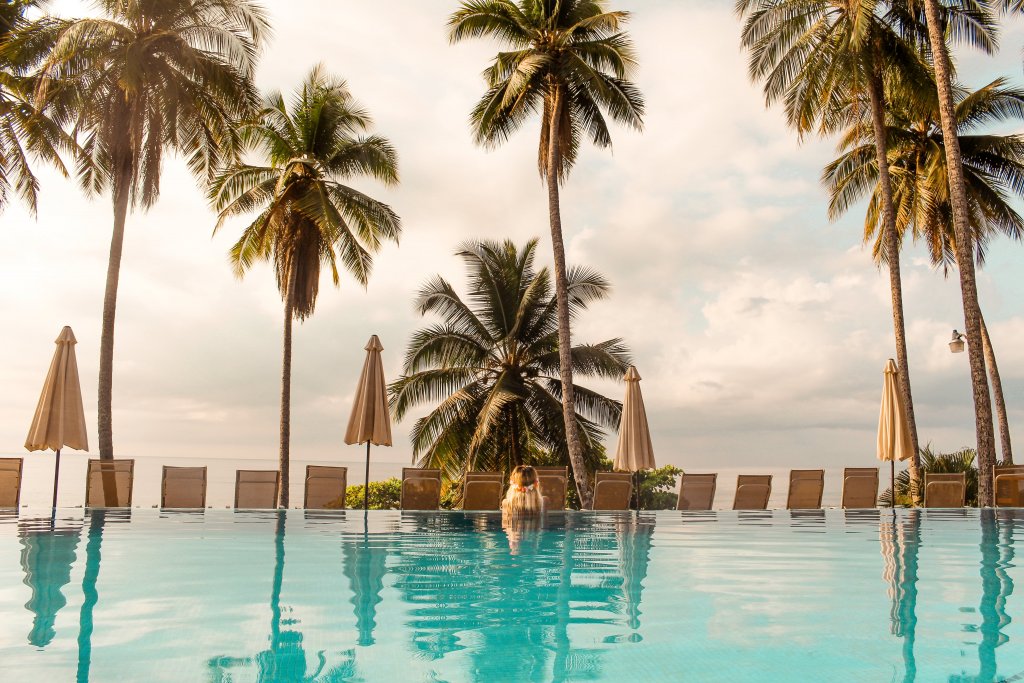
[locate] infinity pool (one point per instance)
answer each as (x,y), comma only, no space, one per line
(450,597)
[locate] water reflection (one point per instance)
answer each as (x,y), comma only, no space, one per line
(285,661)
(47,555)
(365,563)
(98,518)
(900,538)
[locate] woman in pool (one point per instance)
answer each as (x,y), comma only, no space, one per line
(523,498)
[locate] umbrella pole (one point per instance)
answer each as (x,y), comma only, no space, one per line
(366,486)
(892,482)
(56,472)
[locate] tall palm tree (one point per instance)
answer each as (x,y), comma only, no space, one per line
(145,78)
(308,218)
(572,61)
(937,32)
(827,58)
(491,365)
(24,130)
(993,172)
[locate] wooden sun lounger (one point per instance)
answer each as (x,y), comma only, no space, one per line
(325,487)
(1008,485)
(612,490)
(860,488)
(553,482)
(696,491)
(482,490)
(805,489)
(108,483)
(10,482)
(183,487)
(945,490)
(421,488)
(257,489)
(752,492)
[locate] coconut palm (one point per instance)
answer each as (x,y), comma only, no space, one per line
(826,59)
(24,131)
(993,172)
(308,219)
(938,29)
(145,78)
(490,367)
(571,61)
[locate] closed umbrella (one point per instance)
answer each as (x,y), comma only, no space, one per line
(893,428)
(634,452)
(370,422)
(60,420)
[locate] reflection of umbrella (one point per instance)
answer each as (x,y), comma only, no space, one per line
(635,451)
(893,428)
(900,544)
(46,558)
(60,420)
(370,421)
(365,567)
(634,539)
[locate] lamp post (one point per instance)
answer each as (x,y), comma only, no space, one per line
(957,344)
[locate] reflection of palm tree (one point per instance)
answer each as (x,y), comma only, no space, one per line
(996,587)
(46,557)
(285,661)
(900,541)
(98,517)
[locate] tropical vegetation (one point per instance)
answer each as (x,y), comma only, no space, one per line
(937,463)
(308,218)
(489,368)
(572,61)
(143,79)
(993,174)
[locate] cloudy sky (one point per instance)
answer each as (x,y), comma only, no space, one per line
(760,328)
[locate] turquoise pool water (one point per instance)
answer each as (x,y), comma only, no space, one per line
(300,596)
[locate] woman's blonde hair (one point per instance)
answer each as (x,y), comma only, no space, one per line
(523,496)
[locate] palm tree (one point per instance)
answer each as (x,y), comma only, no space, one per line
(145,78)
(491,366)
(830,59)
(937,31)
(308,219)
(993,172)
(570,60)
(24,130)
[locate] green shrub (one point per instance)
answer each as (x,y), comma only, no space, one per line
(952,463)
(384,495)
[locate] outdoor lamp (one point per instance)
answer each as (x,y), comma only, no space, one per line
(957,345)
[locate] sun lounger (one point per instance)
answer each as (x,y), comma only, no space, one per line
(10,482)
(752,492)
(805,489)
(553,482)
(108,483)
(325,487)
(183,487)
(1008,485)
(696,491)
(945,490)
(482,490)
(421,488)
(860,487)
(257,489)
(612,490)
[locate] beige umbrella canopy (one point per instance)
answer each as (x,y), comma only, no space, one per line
(60,420)
(893,428)
(370,422)
(634,452)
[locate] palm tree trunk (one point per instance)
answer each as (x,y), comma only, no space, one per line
(997,393)
(964,253)
(572,437)
(121,194)
(892,256)
(286,392)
